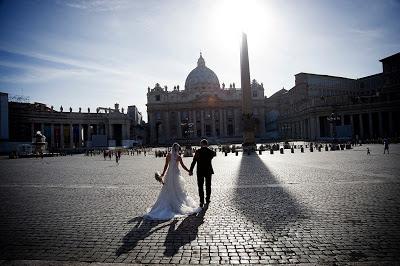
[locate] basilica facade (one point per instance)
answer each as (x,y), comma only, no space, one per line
(203,109)
(317,108)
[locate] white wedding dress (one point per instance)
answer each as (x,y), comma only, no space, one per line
(173,200)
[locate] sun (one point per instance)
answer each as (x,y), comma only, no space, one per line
(229,18)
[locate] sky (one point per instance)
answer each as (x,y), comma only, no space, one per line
(83,53)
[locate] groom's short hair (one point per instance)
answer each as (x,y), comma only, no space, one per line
(204,142)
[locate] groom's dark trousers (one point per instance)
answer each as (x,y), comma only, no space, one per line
(203,157)
(200,184)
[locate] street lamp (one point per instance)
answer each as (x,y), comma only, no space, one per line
(332,119)
(187,131)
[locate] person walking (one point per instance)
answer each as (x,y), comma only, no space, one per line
(385,146)
(203,157)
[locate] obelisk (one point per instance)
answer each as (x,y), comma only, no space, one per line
(249,142)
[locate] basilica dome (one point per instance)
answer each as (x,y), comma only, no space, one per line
(201,77)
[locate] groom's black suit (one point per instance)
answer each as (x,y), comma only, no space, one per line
(203,157)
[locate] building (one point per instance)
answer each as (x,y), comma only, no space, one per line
(69,130)
(203,109)
(3,116)
(318,107)
(322,107)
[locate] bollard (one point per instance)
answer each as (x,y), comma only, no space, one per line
(319,148)
(302,149)
(311,149)
(260,152)
(226,154)
(326,148)
(237,153)
(271,151)
(292,150)
(281,150)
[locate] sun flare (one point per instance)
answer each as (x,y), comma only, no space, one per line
(232,17)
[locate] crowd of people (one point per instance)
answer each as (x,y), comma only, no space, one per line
(117,152)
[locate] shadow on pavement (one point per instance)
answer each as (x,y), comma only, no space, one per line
(142,229)
(185,233)
(261,198)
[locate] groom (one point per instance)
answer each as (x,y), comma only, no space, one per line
(203,157)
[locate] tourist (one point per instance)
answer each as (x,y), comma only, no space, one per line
(368,152)
(386,146)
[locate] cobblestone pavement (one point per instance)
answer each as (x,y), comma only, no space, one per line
(320,207)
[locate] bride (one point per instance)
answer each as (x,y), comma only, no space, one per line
(173,200)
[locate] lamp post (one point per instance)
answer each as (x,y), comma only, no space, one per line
(332,119)
(188,132)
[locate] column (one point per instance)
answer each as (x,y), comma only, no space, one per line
(80,135)
(179,125)
(221,123)
(71,136)
(342,120)
(33,130)
(371,126)
(202,123)
(352,125)
(225,123)
(42,128)
(194,120)
(212,123)
(318,128)
(152,122)
(391,133)
(262,121)
(52,135)
(166,126)
(62,136)
(301,129)
(235,121)
(88,133)
(380,124)
(111,135)
(361,127)
(128,130)
(123,128)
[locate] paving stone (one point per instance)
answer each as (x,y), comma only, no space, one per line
(329,207)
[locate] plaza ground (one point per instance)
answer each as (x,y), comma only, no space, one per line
(319,207)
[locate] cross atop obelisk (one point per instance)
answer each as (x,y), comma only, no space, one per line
(249,142)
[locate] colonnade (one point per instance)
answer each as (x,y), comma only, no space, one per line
(199,122)
(78,133)
(363,125)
